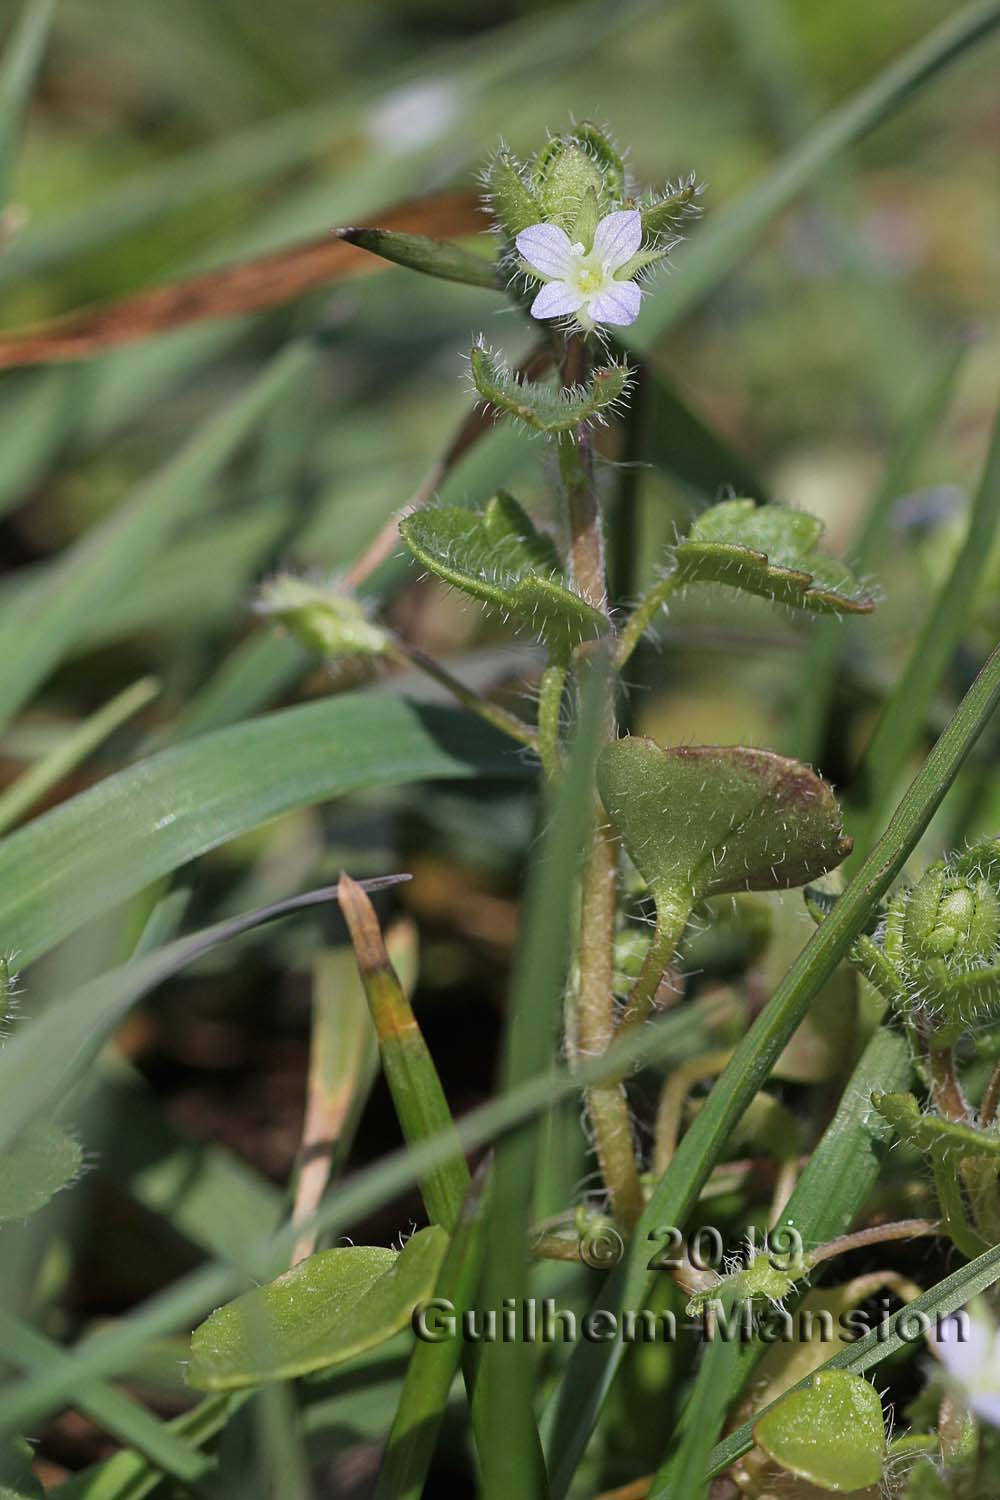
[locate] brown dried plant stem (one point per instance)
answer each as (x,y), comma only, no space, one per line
(592,1023)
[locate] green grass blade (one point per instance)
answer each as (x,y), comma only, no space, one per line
(37,630)
(22,56)
(905,714)
(108,843)
(833,1188)
(716,249)
(673,1038)
(819,668)
(592,1367)
(30,787)
(512,1461)
(129,1475)
(113,1411)
(947,1297)
(417,1095)
(433,1365)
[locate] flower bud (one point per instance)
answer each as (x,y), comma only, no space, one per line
(328,621)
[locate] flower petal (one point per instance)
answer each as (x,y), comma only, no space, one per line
(555,300)
(546,248)
(617,237)
(618,303)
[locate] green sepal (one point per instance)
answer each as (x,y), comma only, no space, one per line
(700,820)
(565,172)
(498,556)
(513,203)
(930,1132)
(418,252)
(603,150)
(831,1433)
(325,1311)
(769,551)
(547,408)
(661,215)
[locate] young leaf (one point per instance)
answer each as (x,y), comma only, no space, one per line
(498,556)
(326,1310)
(766,550)
(702,819)
(418,252)
(831,1433)
(40,1162)
(544,407)
(931,1132)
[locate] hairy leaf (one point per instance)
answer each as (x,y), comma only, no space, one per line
(547,408)
(831,1433)
(40,1162)
(498,556)
(765,550)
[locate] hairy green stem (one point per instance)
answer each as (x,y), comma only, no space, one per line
(592,1023)
(550,697)
(640,618)
(507,723)
(671,919)
(953,1216)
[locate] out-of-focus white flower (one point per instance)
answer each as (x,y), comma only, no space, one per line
(415,115)
(968,1345)
(581,282)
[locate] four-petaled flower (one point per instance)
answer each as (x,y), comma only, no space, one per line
(583,282)
(969,1349)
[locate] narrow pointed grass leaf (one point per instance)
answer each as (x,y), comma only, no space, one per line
(770,551)
(904,715)
(420,253)
(819,667)
(23,49)
(329,1308)
(206,1193)
(721,244)
(47,772)
(48,1055)
(417,1095)
(38,628)
(113,1411)
(130,1475)
(512,1460)
(434,1363)
(94,851)
(592,1368)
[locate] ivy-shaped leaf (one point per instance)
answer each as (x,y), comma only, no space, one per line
(831,1433)
(547,408)
(703,819)
(498,556)
(329,1308)
(766,550)
(40,1162)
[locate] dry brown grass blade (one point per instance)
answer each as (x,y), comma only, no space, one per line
(246,287)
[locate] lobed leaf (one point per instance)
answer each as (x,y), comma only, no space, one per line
(326,1310)
(547,408)
(498,556)
(770,551)
(702,819)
